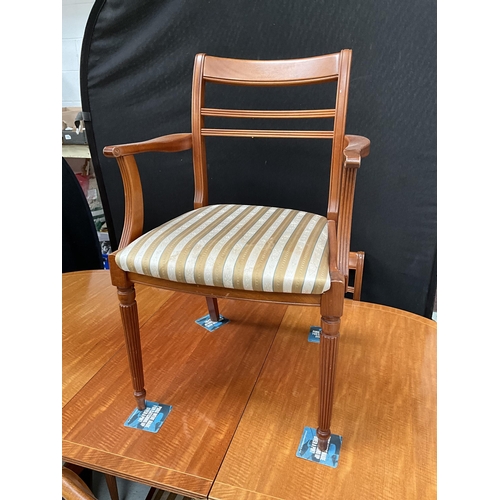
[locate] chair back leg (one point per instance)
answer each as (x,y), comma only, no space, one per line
(213,309)
(358,276)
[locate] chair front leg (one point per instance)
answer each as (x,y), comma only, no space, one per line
(331,311)
(130,322)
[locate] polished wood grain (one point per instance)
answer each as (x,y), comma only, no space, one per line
(268,113)
(73,488)
(165,144)
(213,309)
(337,159)
(356,264)
(281,72)
(227,293)
(197,123)
(225,436)
(124,154)
(284,134)
(112,486)
(206,376)
(355,148)
(331,308)
(130,322)
(345,218)
(92,332)
(345,159)
(385,410)
(78,470)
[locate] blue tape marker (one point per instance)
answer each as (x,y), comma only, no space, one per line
(308,448)
(150,419)
(314,334)
(207,323)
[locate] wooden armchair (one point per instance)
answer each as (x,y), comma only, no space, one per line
(257,253)
(73,488)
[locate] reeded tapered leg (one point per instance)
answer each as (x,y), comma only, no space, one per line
(130,321)
(332,304)
(213,309)
(328,355)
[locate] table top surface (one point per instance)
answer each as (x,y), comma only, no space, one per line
(242,394)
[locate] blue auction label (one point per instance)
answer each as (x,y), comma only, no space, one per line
(210,325)
(314,334)
(308,448)
(150,419)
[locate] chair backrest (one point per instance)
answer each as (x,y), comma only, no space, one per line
(269,73)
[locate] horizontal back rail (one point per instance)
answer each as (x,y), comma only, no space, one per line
(286,134)
(254,113)
(271,73)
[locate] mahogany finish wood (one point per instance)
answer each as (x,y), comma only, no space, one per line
(213,309)
(166,144)
(206,376)
(357,264)
(110,480)
(385,411)
(225,436)
(227,293)
(357,260)
(130,322)
(249,113)
(197,123)
(92,332)
(279,73)
(112,486)
(347,152)
(73,488)
(284,134)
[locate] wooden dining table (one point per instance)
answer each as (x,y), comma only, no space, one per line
(232,389)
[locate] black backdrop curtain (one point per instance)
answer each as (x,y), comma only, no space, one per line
(136,71)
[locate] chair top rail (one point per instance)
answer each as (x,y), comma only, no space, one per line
(271,73)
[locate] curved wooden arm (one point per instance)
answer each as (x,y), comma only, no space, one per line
(134,204)
(171,143)
(73,488)
(355,148)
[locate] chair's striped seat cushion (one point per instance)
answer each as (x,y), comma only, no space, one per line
(236,246)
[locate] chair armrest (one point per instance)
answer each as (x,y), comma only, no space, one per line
(73,488)
(171,143)
(124,154)
(355,148)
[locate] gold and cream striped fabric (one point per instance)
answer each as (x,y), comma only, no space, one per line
(245,247)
